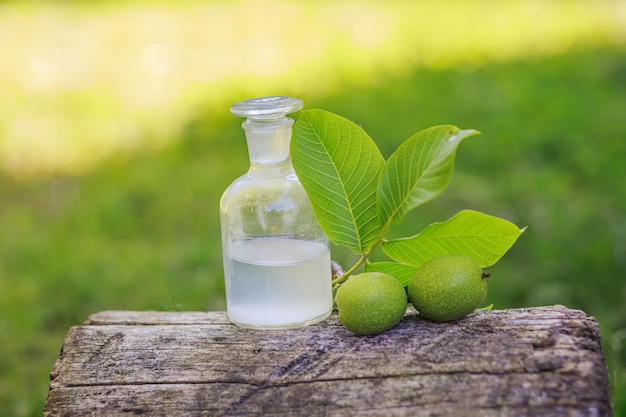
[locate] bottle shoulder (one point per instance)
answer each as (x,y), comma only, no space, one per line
(247,186)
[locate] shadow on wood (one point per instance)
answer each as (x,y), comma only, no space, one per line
(522,362)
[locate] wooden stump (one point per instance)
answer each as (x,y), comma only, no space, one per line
(543,361)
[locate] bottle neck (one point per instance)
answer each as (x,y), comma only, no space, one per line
(268,145)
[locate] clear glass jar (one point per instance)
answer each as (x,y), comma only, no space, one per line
(277,265)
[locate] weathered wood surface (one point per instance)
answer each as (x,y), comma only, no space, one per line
(526,362)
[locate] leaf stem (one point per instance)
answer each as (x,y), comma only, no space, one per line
(350,271)
(363,259)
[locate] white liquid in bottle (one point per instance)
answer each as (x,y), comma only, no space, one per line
(276,256)
(278,283)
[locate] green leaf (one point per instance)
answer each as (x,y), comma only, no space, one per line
(401,272)
(484,238)
(418,171)
(339,166)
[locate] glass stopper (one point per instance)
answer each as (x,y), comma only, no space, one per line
(273,107)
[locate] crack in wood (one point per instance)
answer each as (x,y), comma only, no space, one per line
(538,361)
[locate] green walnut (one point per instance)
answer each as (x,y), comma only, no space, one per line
(448,287)
(370,303)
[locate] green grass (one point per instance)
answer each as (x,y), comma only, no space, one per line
(142,232)
(84,81)
(139,230)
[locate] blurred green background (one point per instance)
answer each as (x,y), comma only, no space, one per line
(116,143)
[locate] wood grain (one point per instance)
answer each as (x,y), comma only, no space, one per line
(522,362)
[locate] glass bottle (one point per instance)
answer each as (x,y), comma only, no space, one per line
(276,257)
